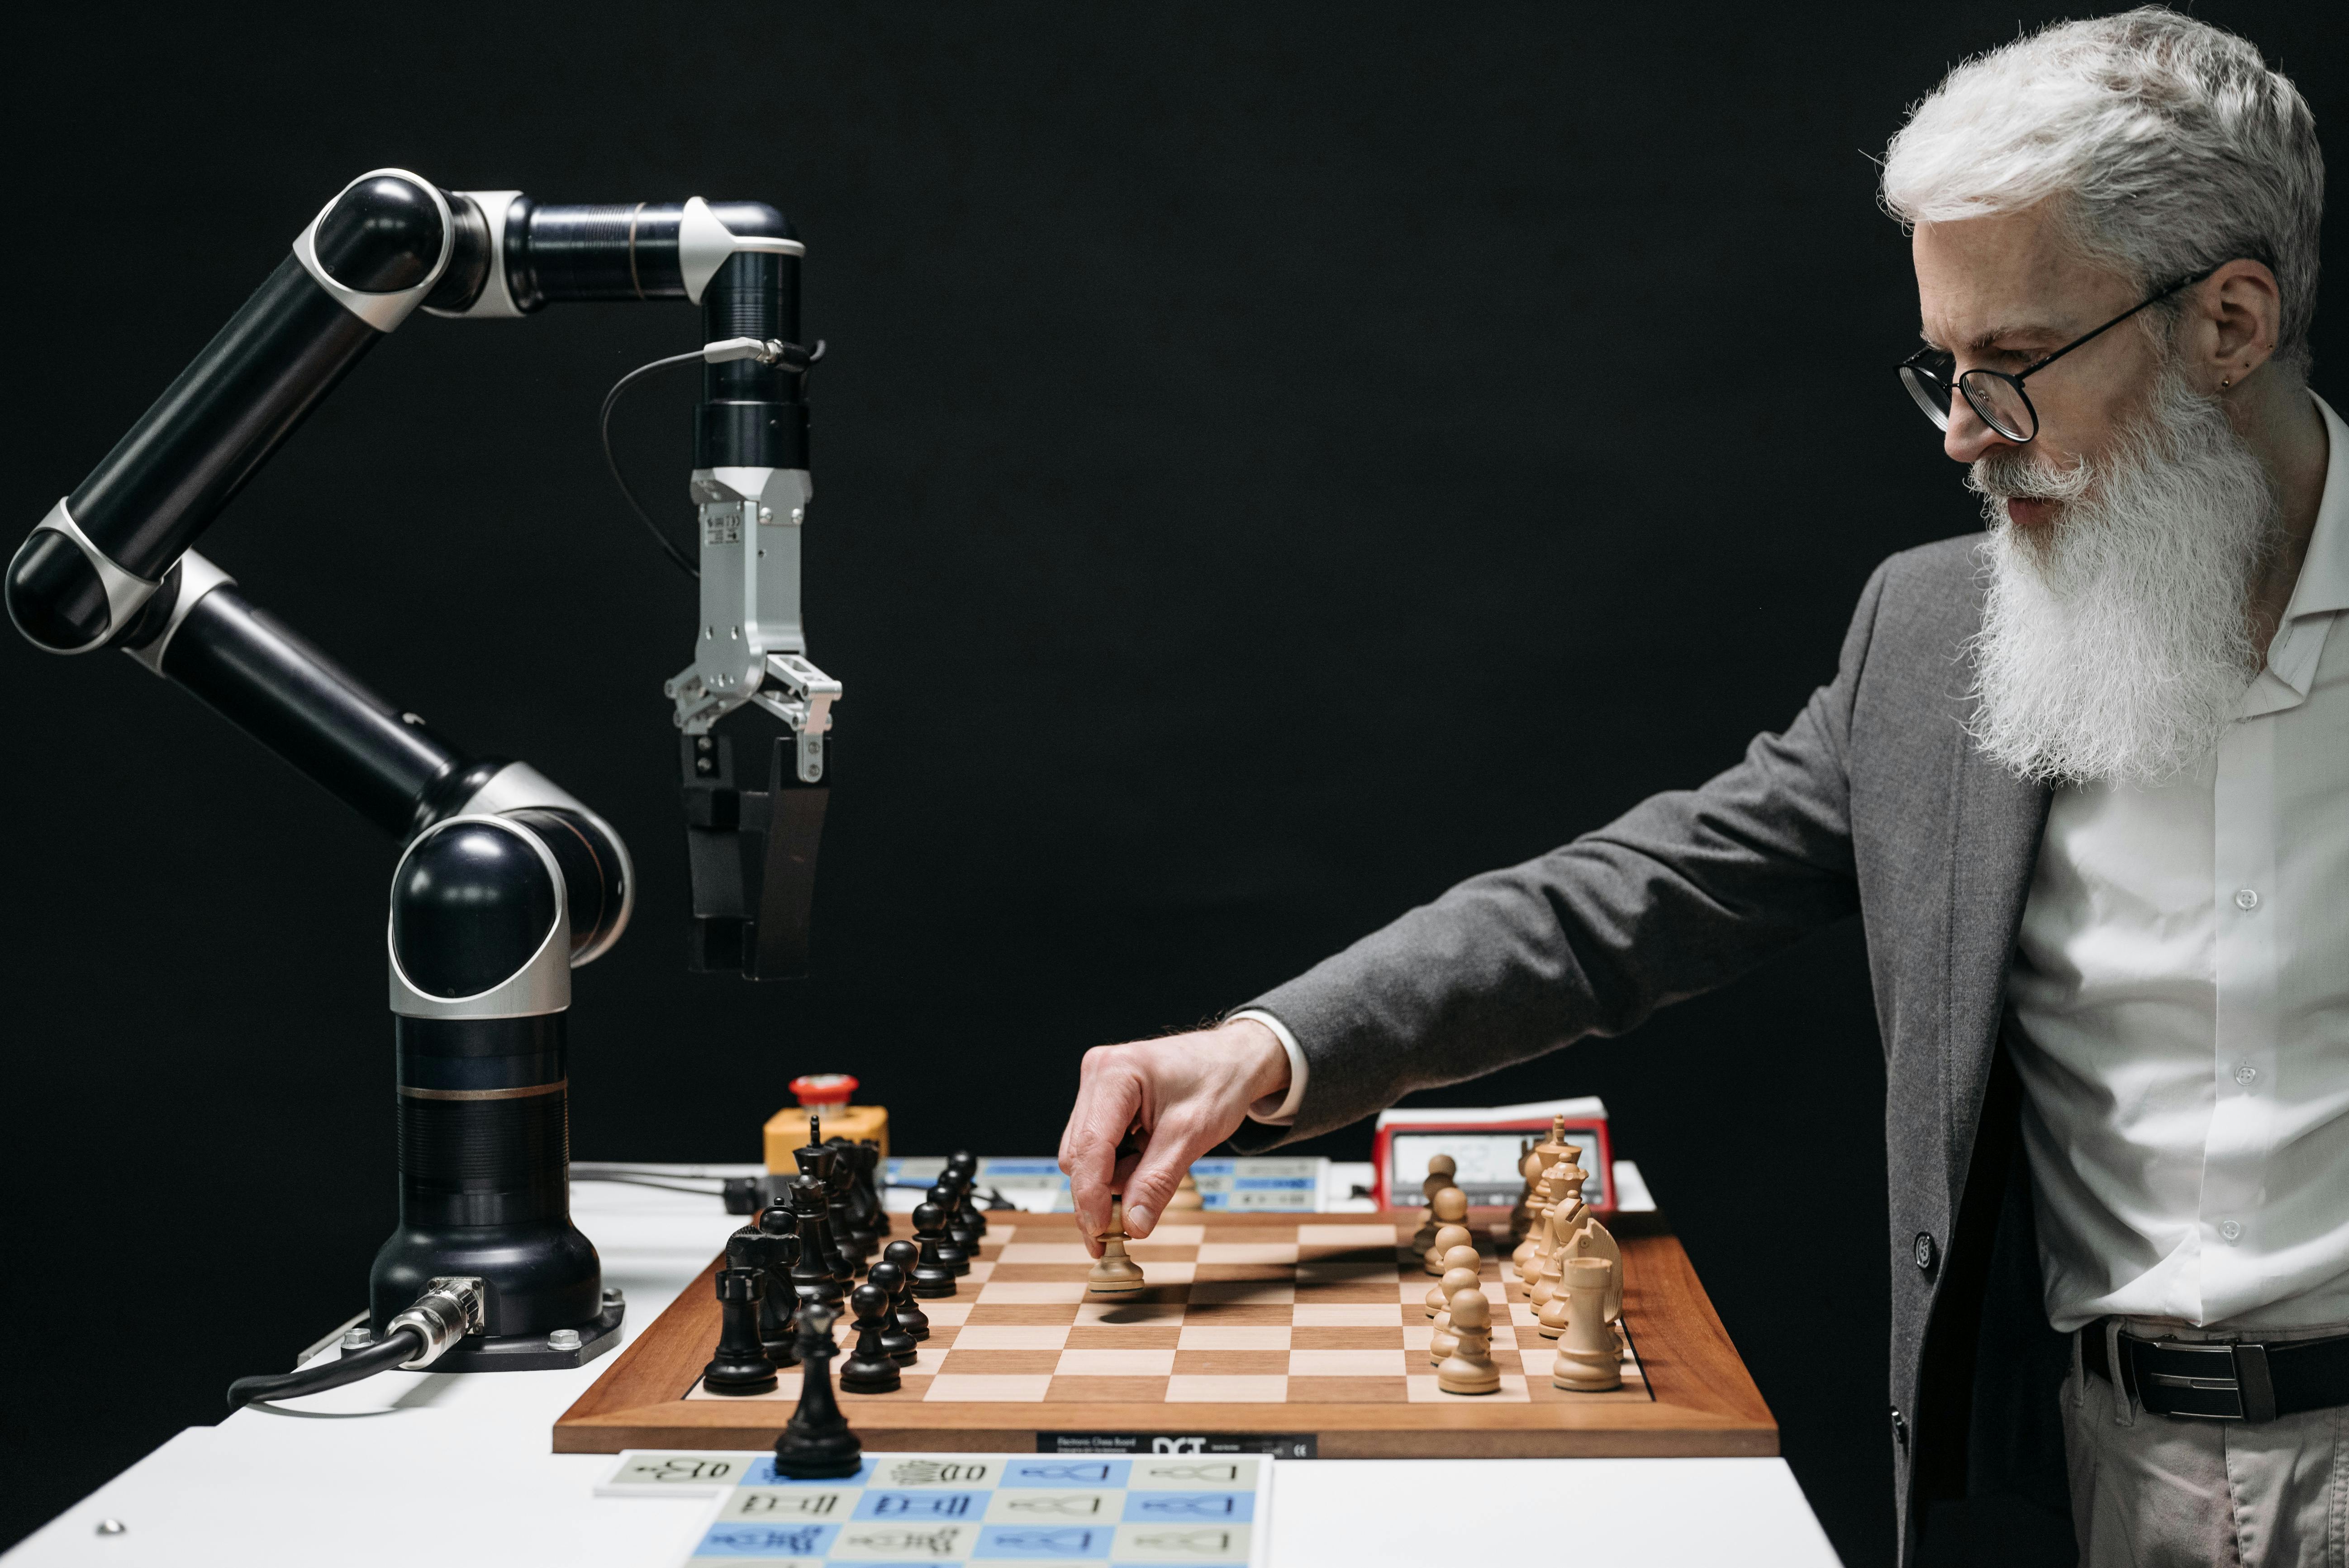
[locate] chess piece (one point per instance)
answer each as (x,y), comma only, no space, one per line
(741,1366)
(962,1218)
(890,1281)
(1188,1199)
(951,1255)
(1114,1273)
(932,1277)
(817,1443)
(1521,1218)
(837,1183)
(1457,1262)
(1450,1210)
(1447,1236)
(965,1165)
(1446,1337)
(812,1272)
(868,1222)
(1546,1262)
(870,1368)
(772,1247)
(911,1319)
(1593,1240)
(1470,1368)
(1441,1170)
(1590,1359)
(1530,1251)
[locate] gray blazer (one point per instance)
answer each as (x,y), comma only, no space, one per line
(1872,802)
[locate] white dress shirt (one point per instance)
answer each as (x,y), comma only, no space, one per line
(2182,984)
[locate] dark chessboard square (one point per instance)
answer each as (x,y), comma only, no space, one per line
(1335,1292)
(998,1363)
(1342,1338)
(1347,1390)
(1124,1336)
(1108,1390)
(1027,1273)
(1279,1273)
(1238,1314)
(1000,1313)
(1230,1363)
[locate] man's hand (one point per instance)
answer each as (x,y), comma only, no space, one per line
(1183,1094)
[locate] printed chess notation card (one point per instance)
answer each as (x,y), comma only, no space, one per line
(996,1510)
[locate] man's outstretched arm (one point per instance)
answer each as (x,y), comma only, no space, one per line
(1681,894)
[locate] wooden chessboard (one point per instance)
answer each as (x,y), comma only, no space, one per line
(1251,1324)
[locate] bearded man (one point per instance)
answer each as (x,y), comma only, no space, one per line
(2085,782)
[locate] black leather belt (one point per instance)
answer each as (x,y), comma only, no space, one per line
(2225,1381)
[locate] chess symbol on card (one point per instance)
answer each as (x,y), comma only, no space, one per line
(1058,1504)
(1204,1543)
(753,1503)
(1203,1474)
(1188,1505)
(911,1542)
(1069,1474)
(1072,1543)
(935,1472)
(766,1541)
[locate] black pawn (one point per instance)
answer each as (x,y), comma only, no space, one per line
(817,1444)
(951,1255)
(869,1370)
(902,1256)
(962,1220)
(812,1273)
(932,1277)
(741,1366)
(964,1163)
(896,1343)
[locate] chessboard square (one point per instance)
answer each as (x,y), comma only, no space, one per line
(1154,1251)
(950,1389)
(1424,1390)
(1383,1236)
(1031,1293)
(1418,1336)
(1233,1336)
(1089,1389)
(1238,1315)
(1350,1293)
(944,1313)
(1169,1273)
(1151,1335)
(982,1271)
(1346,1363)
(1524,1313)
(1184,1388)
(1166,1293)
(1138,1543)
(1012,1336)
(1249,1253)
(1253,1293)
(1177,1236)
(1046,1252)
(927,1358)
(1231,1363)
(1139,1312)
(1346,1314)
(1015,1505)
(1353,1338)
(1345,1270)
(998,1363)
(1347,1390)
(1006,1312)
(1027,1274)
(908,1388)
(1531,1338)
(1115,1364)
(1230,1274)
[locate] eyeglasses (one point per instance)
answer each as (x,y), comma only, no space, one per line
(1995,395)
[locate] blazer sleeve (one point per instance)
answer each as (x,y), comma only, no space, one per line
(1683,893)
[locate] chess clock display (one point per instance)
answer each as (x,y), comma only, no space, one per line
(1488,1145)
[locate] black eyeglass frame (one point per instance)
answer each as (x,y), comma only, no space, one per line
(1929,382)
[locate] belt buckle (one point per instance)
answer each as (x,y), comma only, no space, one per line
(2221,1381)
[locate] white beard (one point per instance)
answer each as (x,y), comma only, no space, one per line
(2116,650)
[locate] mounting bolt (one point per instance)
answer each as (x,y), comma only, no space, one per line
(358,1338)
(112,1527)
(613,1296)
(563,1339)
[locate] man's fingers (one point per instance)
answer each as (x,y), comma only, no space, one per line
(1105,1109)
(1159,1171)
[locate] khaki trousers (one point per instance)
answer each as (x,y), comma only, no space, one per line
(2153,1491)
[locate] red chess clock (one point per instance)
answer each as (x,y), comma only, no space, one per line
(1487,1144)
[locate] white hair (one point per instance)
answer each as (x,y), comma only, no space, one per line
(2172,145)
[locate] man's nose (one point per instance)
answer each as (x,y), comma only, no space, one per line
(1969,435)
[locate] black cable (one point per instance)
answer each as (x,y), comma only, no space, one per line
(665,1183)
(683,561)
(403,1343)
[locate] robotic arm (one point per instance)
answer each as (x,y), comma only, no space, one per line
(506,882)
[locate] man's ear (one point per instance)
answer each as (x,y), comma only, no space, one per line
(2232,317)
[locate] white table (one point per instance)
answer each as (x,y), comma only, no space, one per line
(414,1467)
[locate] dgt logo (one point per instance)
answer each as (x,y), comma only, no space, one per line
(1178,1445)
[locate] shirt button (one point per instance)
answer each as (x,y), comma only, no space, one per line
(1925,1253)
(2247,899)
(2247,1074)
(2228,1229)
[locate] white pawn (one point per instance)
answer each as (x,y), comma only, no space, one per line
(1458,1262)
(1452,1208)
(1470,1368)
(1441,1170)
(1590,1359)
(1114,1273)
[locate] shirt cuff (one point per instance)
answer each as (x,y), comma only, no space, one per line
(1264,1110)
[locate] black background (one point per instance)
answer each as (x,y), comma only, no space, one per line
(1273,462)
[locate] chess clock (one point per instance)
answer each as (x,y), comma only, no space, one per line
(1487,1143)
